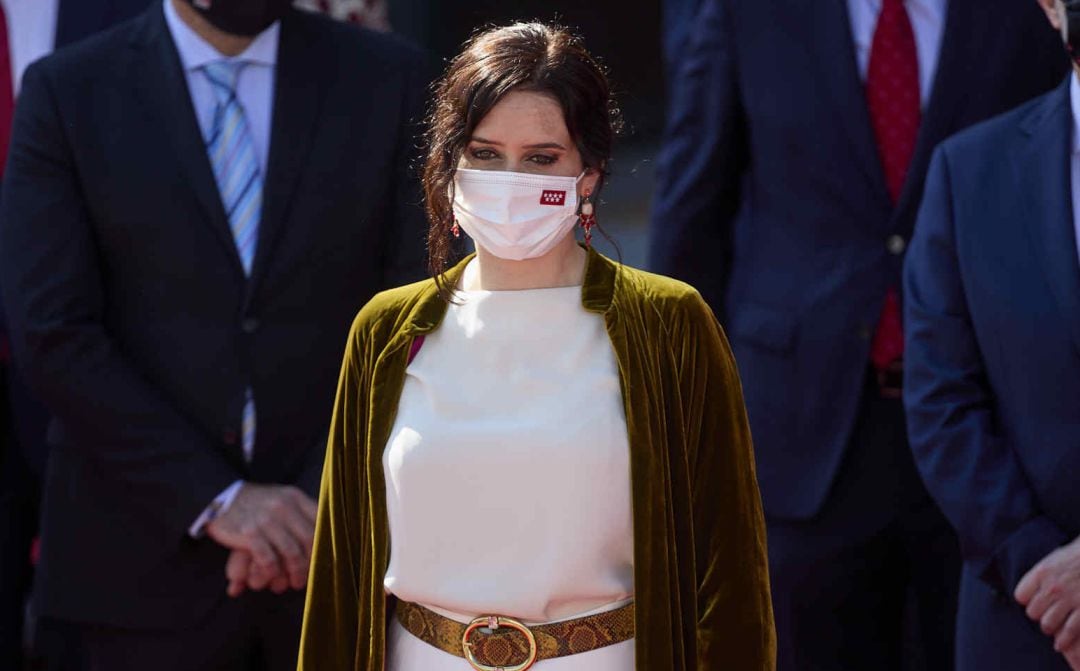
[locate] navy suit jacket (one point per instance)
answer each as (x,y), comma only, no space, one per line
(772,202)
(131,313)
(993,352)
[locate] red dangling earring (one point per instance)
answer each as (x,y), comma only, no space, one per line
(588,219)
(455,229)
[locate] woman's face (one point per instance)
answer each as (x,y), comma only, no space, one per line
(525,132)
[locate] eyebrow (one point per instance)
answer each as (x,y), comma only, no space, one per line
(541,145)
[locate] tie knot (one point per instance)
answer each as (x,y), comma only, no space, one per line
(223,76)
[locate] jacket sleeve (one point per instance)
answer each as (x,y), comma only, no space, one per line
(329,636)
(56,301)
(701,162)
(734,609)
(967,466)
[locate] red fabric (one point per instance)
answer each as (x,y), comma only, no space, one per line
(888,345)
(892,93)
(414,349)
(7,91)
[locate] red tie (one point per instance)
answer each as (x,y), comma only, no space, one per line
(7,92)
(892,93)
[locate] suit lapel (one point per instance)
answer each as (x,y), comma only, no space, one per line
(162,87)
(957,58)
(1044,171)
(833,49)
(297,100)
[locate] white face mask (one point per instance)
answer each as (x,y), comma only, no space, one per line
(515,215)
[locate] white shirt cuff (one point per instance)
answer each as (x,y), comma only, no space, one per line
(216,508)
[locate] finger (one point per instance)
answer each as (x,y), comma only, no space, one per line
(280,584)
(287,549)
(1068,636)
(1043,599)
(1073,658)
(307,505)
(300,527)
(262,552)
(259,578)
(1029,585)
(1054,617)
(238,565)
(236,570)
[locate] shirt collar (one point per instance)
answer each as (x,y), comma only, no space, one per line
(195,52)
(1074,99)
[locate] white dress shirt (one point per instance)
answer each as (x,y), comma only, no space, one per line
(1074,97)
(927,21)
(254,88)
(31,33)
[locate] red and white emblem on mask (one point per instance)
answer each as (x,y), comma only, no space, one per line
(549,197)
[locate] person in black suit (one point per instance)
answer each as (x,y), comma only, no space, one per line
(197,203)
(23,449)
(798,138)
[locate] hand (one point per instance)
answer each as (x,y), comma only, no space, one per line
(242,575)
(1072,656)
(1051,594)
(275,526)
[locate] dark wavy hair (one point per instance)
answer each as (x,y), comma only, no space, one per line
(539,57)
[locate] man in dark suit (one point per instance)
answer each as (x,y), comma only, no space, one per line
(22,431)
(992,284)
(196,205)
(799,134)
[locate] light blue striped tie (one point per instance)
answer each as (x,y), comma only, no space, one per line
(236,168)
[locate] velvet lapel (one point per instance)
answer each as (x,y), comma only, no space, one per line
(827,27)
(162,89)
(299,87)
(1044,171)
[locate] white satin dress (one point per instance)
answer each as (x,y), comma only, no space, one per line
(508,476)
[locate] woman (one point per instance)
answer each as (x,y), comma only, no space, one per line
(538,455)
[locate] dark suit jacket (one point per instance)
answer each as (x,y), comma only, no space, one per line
(131,313)
(993,358)
(772,201)
(76,20)
(22,427)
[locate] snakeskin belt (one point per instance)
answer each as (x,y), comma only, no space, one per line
(495,643)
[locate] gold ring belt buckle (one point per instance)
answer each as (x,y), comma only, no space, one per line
(494,622)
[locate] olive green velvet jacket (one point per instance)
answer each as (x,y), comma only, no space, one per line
(700,574)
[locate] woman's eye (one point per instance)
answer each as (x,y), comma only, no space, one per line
(543,159)
(483,154)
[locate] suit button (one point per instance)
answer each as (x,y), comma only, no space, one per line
(229,437)
(250,325)
(896,245)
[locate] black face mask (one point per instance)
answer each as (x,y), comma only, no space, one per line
(1072,20)
(241,17)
